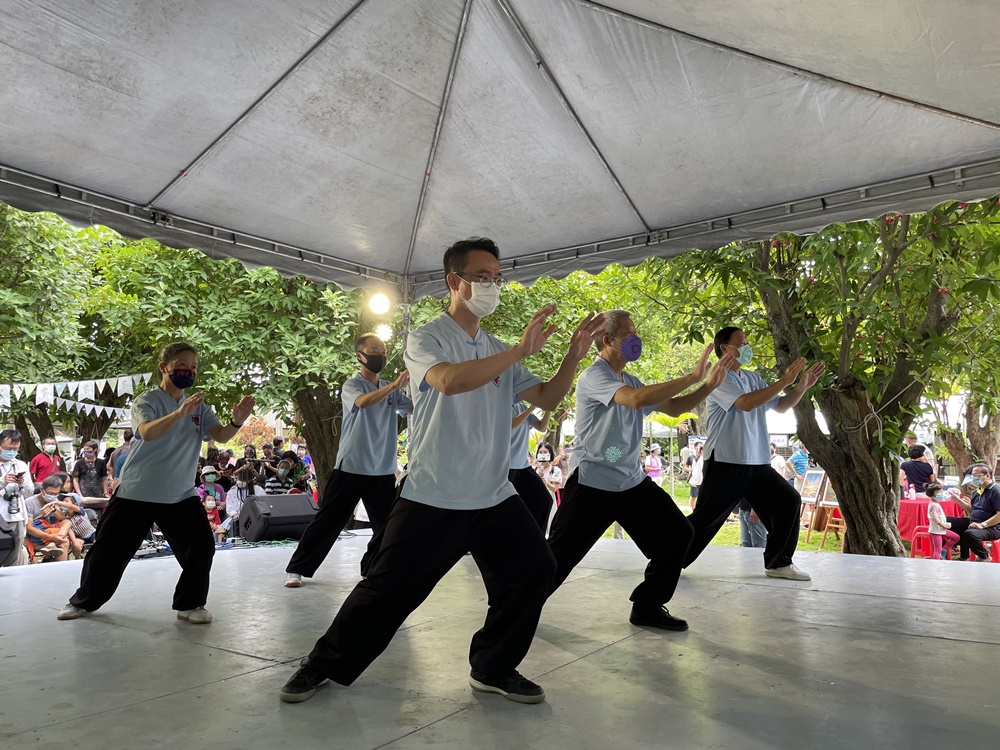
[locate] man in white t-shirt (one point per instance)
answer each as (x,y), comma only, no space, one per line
(457,497)
(778,462)
(14,472)
(697,472)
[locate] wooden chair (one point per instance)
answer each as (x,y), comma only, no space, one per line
(835,523)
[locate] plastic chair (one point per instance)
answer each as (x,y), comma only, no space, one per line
(920,544)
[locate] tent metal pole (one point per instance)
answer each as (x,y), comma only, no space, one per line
(445,98)
(786,66)
(564,100)
(256,105)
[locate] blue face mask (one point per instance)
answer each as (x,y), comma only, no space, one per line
(8,455)
(977,481)
(182,378)
(941,496)
(746,354)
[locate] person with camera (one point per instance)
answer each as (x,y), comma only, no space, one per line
(158,487)
(17,485)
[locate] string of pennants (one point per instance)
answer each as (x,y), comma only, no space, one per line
(52,393)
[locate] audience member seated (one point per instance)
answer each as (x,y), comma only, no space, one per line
(210,489)
(983,524)
(237,496)
(280,483)
(49,528)
(213,515)
(917,471)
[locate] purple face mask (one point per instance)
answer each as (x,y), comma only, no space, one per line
(631,347)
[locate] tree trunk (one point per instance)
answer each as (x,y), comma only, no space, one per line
(321,419)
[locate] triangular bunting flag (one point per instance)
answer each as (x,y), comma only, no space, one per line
(61,402)
(86,389)
(4,396)
(72,388)
(78,407)
(136,379)
(99,384)
(60,388)
(29,388)
(146,376)
(18,390)
(91,409)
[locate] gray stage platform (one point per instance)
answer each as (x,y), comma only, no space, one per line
(873,653)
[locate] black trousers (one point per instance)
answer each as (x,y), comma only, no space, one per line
(340,497)
(124,525)
(420,545)
(777,504)
(971,540)
(532,490)
(645,511)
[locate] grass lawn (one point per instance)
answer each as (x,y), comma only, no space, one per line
(729,534)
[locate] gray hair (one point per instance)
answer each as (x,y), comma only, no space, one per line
(613,322)
(173,350)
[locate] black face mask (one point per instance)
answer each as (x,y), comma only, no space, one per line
(374,362)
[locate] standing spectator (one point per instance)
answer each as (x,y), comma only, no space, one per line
(90,473)
(917,472)
(939,528)
(280,483)
(911,441)
(279,445)
(752,531)
(298,473)
(697,472)
(780,465)
(158,487)
(121,450)
(269,464)
(798,463)
(685,458)
(654,465)
(548,471)
(46,463)
(210,489)
(983,523)
(304,457)
(249,458)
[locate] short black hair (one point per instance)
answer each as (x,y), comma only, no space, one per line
(722,337)
(12,435)
(128,435)
(455,256)
(984,467)
(363,339)
(932,488)
(91,444)
(916,451)
(52,480)
(277,441)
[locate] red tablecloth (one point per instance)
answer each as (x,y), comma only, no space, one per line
(913,513)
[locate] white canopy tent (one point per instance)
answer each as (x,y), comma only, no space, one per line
(352,140)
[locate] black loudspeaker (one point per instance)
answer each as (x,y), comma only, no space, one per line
(267,518)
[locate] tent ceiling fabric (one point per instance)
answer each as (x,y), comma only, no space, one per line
(299,134)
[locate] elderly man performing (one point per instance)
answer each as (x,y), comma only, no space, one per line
(608,483)
(457,497)
(738,459)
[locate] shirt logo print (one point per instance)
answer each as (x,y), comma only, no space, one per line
(196,421)
(613,454)
(496,381)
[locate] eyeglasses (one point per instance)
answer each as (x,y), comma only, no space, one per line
(483,280)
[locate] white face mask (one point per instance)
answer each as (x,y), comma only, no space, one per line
(50,448)
(544,457)
(484,300)
(240,483)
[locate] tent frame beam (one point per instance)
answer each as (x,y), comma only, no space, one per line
(438,127)
(536,55)
(600,7)
(211,148)
(110,206)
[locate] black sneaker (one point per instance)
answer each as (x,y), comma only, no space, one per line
(513,687)
(303,684)
(659,617)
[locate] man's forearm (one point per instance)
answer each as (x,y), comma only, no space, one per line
(791,398)
(680,404)
(375,397)
(462,377)
(658,394)
(552,392)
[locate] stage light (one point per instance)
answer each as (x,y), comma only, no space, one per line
(379,304)
(384,331)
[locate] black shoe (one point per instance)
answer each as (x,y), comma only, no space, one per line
(982,558)
(303,684)
(656,618)
(513,687)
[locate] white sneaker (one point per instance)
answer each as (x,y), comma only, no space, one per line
(789,571)
(196,616)
(293,580)
(71,612)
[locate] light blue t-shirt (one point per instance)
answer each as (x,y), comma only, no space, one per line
(519,437)
(608,435)
(736,436)
(368,436)
(163,470)
(460,445)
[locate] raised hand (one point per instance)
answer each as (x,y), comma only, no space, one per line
(718,374)
(191,403)
(701,369)
(242,410)
(813,374)
(585,335)
(536,334)
(793,370)
(403,380)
